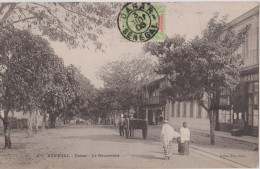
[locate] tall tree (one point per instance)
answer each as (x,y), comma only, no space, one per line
(103,103)
(34,79)
(83,90)
(24,63)
(200,68)
(125,79)
(72,23)
(58,92)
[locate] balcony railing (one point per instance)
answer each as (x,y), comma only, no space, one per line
(155,100)
(250,58)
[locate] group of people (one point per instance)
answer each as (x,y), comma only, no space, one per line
(122,123)
(168,134)
(183,138)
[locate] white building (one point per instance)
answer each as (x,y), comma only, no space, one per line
(240,106)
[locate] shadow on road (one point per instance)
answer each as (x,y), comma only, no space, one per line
(149,157)
(112,138)
(158,152)
(18,146)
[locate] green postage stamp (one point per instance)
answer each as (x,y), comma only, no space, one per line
(141,22)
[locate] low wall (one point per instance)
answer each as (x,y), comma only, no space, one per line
(193,123)
(22,123)
(16,123)
(225,127)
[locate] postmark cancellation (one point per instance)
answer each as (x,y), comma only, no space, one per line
(141,22)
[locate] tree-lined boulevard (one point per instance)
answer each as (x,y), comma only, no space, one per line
(35,82)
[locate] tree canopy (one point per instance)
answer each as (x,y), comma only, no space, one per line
(83,92)
(200,68)
(34,78)
(201,65)
(74,23)
(25,68)
(125,79)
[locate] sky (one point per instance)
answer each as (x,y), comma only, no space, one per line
(184,18)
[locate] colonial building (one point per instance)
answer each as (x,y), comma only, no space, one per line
(243,102)
(239,106)
(155,100)
(176,113)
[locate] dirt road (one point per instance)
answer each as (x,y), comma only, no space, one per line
(84,147)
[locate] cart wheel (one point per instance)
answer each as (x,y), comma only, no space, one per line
(131,133)
(127,134)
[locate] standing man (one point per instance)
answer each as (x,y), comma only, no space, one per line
(184,143)
(121,123)
(167,135)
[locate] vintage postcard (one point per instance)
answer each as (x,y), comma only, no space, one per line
(129,85)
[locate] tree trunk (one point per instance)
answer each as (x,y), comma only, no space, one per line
(212,119)
(213,111)
(43,122)
(36,121)
(7,134)
(52,120)
(64,118)
(30,124)
(7,130)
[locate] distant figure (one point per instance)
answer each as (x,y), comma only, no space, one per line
(128,128)
(167,135)
(132,116)
(99,120)
(184,141)
(121,123)
(125,124)
(161,119)
(156,120)
(131,127)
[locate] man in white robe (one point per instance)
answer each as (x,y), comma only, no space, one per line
(167,135)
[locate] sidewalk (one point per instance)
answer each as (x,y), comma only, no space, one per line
(236,151)
(235,157)
(249,139)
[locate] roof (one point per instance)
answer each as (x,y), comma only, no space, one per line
(244,16)
(156,82)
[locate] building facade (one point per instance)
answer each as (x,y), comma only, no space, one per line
(177,112)
(155,101)
(239,107)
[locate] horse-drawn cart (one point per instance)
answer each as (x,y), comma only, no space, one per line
(135,124)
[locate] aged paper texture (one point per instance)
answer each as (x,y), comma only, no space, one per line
(129,85)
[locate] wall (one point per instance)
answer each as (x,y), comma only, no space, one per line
(251,56)
(20,116)
(194,122)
